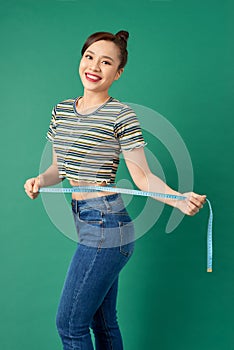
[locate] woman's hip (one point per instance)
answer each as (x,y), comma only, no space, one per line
(104,222)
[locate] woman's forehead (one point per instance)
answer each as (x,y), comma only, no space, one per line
(104,48)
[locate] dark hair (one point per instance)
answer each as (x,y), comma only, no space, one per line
(120,39)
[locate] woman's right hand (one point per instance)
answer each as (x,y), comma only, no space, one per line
(192,204)
(32,186)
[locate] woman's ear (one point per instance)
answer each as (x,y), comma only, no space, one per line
(118,73)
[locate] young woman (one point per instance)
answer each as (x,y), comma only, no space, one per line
(88,134)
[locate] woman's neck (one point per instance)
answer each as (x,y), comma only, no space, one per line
(91,98)
(90,101)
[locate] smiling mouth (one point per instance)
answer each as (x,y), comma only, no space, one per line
(91,77)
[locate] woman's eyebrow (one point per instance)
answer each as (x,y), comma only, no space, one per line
(102,56)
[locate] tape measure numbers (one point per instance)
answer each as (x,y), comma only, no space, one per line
(140,193)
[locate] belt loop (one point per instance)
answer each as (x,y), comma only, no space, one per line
(74,204)
(107,204)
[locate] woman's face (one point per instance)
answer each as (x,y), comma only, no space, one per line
(99,66)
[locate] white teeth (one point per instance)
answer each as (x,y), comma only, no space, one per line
(92,77)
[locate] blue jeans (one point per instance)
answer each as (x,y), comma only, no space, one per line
(106,242)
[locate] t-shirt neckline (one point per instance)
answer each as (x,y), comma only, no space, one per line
(96,110)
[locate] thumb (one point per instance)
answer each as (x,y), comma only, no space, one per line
(36,185)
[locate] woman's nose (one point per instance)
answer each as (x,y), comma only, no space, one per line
(95,65)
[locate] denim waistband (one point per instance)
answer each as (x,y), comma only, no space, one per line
(95,201)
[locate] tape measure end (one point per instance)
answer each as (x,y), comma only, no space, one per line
(209,270)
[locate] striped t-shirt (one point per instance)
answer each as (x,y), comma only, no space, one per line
(88,145)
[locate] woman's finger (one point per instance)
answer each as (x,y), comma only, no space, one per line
(197,200)
(36,185)
(191,208)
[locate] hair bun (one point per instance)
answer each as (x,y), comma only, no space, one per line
(122,34)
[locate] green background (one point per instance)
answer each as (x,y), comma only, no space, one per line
(181,65)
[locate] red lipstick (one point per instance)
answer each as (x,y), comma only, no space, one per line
(92,77)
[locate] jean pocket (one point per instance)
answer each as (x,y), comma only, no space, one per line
(127,237)
(92,217)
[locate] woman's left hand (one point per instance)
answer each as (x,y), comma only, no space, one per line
(192,204)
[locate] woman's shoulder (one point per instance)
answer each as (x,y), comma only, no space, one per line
(122,106)
(64,105)
(68,101)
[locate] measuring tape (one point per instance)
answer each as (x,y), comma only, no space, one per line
(140,193)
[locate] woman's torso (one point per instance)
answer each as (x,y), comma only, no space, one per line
(101,137)
(86,195)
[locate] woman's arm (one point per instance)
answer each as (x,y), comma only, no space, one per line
(48,178)
(51,176)
(145,180)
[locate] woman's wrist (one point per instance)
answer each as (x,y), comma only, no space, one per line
(175,202)
(50,177)
(40,180)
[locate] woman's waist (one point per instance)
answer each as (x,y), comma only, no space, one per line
(85,195)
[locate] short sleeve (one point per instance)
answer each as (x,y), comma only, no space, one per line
(128,130)
(52,127)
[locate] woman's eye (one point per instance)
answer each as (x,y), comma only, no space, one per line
(90,58)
